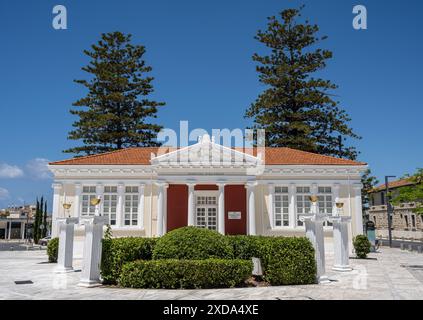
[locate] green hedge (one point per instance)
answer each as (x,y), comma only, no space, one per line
(185,274)
(53,249)
(362,246)
(118,251)
(285,260)
(192,243)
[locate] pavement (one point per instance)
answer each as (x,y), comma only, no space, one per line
(390,274)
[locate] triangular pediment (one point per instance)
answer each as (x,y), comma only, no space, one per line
(206,153)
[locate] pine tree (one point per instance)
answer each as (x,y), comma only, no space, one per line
(116,111)
(297,109)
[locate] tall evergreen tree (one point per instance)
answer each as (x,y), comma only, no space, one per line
(35,225)
(297,109)
(116,111)
(44,233)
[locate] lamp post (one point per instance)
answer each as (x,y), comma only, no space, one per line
(340,239)
(66,233)
(314,232)
(90,275)
(389,209)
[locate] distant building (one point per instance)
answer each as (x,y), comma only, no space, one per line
(405,223)
(16,222)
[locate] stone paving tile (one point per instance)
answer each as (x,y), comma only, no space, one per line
(380,277)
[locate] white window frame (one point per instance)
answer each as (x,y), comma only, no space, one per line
(325,194)
(108,204)
(86,203)
(304,200)
(131,212)
(282,207)
(207,193)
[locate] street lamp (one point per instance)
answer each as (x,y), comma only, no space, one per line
(389,209)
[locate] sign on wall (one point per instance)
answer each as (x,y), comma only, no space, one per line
(234,215)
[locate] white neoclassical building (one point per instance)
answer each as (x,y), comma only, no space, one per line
(149,191)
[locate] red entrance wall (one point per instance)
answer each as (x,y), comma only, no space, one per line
(235,200)
(177,206)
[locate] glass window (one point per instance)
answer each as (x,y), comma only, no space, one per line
(325,203)
(131,206)
(110,204)
(88,193)
(281,207)
(303,203)
(206,212)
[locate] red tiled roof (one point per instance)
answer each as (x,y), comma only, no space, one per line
(394,184)
(142,156)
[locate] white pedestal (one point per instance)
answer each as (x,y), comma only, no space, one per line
(314,232)
(65,254)
(90,275)
(340,243)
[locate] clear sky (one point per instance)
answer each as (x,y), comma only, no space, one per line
(201,52)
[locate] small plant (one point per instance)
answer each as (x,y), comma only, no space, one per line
(53,249)
(362,246)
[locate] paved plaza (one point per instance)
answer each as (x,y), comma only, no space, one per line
(388,274)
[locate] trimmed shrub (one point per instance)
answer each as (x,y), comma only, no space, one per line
(192,243)
(53,249)
(362,246)
(288,261)
(118,251)
(185,274)
(285,260)
(245,247)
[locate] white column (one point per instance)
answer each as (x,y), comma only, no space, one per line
(191,204)
(165,208)
(119,205)
(160,208)
(335,195)
(90,274)
(22,230)
(271,210)
(10,230)
(221,208)
(77,201)
(100,194)
(251,208)
(57,188)
(292,215)
(65,251)
(358,214)
(341,243)
(141,190)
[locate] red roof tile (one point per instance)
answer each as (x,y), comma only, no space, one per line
(142,156)
(394,184)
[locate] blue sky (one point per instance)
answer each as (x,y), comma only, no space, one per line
(200,52)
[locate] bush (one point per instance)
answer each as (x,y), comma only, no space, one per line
(53,249)
(285,260)
(118,251)
(245,247)
(185,274)
(362,246)
(192,243)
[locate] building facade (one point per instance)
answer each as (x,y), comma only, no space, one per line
(15,222)
(150,191)
(405,223)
